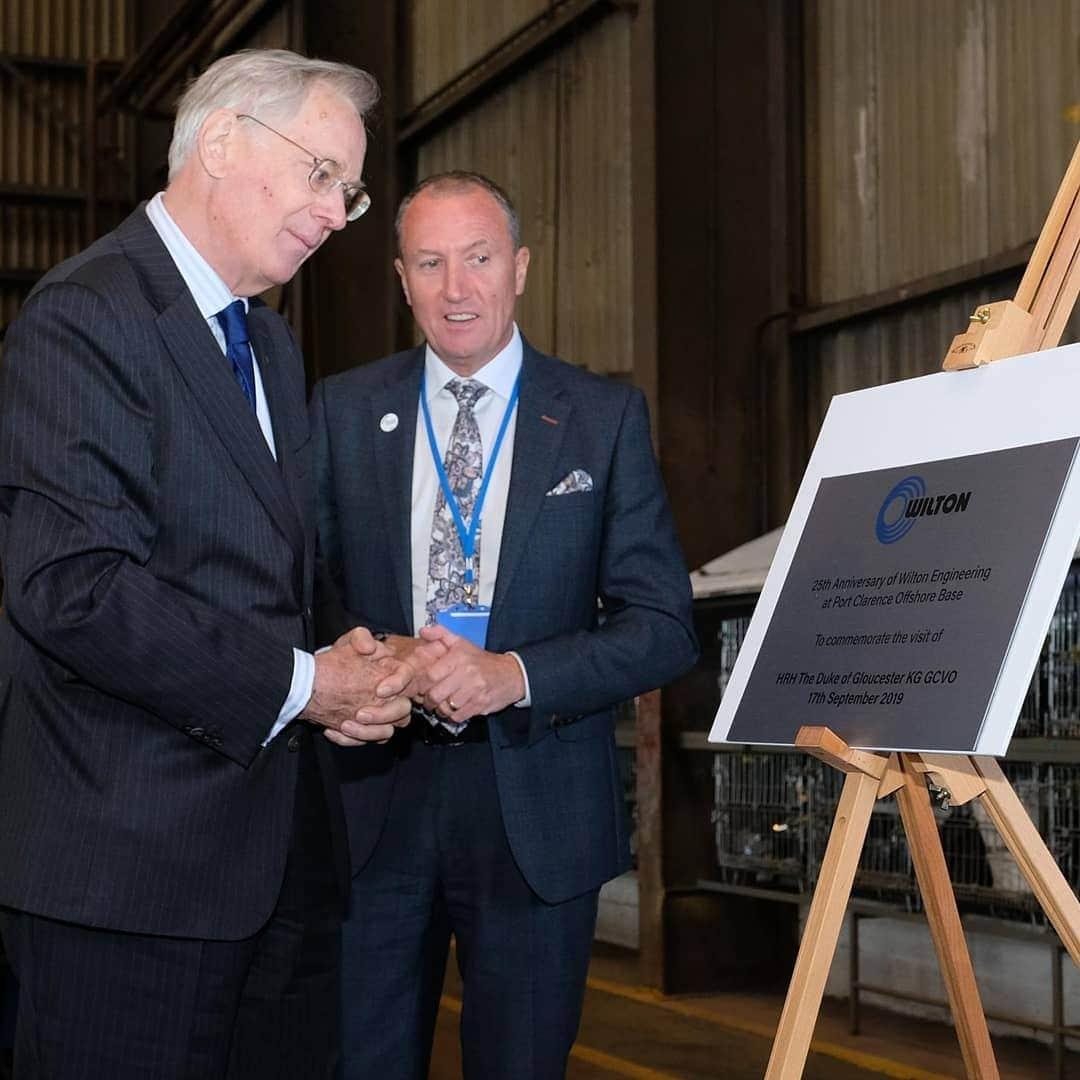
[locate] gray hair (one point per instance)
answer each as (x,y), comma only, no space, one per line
(268,81)
(455,181)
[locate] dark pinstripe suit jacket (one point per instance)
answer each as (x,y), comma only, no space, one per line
(559,785)
(158,567)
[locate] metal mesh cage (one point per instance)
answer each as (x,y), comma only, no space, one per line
(773,812)
(1063,826)
(759,814)
(1052,706)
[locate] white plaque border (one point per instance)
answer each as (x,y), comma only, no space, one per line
(1014,402)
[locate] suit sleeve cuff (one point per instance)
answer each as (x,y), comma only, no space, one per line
(526,701)
(303,681)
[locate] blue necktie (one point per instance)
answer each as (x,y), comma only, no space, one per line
(233,322)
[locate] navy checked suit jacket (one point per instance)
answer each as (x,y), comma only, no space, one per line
(158,569)
(555,763)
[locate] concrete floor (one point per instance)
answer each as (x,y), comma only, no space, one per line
(628,1031)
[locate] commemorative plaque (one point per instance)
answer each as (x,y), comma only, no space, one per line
(912,588)
(902,598)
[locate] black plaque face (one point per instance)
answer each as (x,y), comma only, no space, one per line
(901,600)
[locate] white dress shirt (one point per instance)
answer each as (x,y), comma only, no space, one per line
(499,374)
(212,295)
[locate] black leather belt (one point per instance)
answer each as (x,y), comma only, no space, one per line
(436,735)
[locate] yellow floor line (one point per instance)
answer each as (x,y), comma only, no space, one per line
(884,1066)
(618,1066)
(610,1063)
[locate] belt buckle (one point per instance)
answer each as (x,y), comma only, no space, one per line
(437,735)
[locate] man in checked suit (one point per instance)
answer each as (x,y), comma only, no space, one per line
(497,816)
(172,858)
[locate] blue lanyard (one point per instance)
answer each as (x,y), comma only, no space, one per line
(467,535)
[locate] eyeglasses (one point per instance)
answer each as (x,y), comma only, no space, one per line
(325,175)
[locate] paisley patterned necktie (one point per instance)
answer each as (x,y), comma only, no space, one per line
(464,464)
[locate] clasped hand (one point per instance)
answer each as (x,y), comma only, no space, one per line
(361,690)
(457,679)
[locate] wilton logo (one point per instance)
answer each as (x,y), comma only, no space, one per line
(908,501)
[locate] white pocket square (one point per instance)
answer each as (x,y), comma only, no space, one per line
(575,480)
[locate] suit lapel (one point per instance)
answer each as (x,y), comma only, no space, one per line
(269,354)
(288,420)
(393,456)
(206,371)
(536,447)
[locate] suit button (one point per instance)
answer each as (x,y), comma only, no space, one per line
(196,732)
(294,742)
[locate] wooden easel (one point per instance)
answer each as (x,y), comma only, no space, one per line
(1035,319)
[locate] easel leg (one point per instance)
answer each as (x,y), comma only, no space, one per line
(1029,849)
(796,1028)
(924,843)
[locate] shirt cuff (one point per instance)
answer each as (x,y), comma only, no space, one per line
(526,701)
(303,682)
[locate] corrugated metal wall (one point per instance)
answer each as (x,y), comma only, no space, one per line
(66,29)
(448,36)
(512,137)
(937,134)
(45,48)
(558,137)
(898,345)
(55,56)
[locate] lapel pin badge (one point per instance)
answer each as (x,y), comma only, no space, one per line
(389,421)
(548,419)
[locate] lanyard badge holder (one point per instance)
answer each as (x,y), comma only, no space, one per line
(468,620)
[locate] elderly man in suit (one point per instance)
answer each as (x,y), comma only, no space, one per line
(172,858)
(498,517)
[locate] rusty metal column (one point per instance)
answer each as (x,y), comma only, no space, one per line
(650,840)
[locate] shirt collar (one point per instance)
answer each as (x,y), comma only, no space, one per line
(499,373)
(211,294)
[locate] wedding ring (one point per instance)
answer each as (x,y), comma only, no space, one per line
(451,705)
